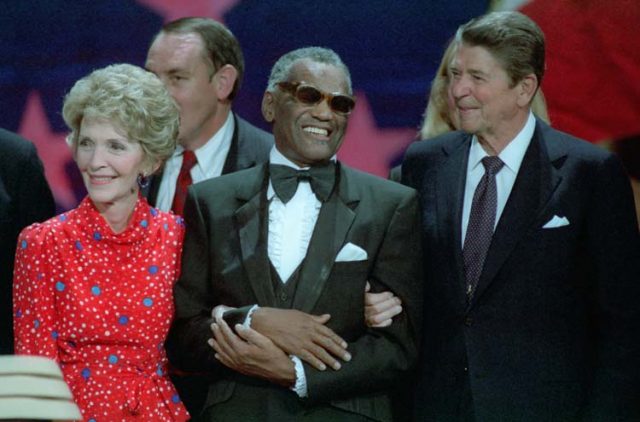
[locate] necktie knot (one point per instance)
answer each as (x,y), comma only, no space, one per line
(284,180)
(188,161)
(184,181)
(492,164)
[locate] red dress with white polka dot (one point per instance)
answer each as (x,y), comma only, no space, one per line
(101,305)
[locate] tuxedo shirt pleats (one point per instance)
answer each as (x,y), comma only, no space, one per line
(290,225)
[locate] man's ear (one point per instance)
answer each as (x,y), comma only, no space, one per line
(224,80)
(268,106)
(527,89)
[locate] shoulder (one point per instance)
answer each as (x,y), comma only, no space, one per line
(373,186)
(44,234)
(15,151)
(167,220)
(15,145)
(441,143)
(559,143)
(248,132)
(231,184)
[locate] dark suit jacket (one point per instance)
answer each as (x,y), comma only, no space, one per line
(225,261)
(249,146)
(553,330)
(25,198)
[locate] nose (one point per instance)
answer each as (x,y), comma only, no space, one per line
(322,110)
(97,158)
(459,87)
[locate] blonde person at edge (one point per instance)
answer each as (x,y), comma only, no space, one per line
(93,286)
(440,116)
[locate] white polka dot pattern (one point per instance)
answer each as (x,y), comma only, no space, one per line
(101,305)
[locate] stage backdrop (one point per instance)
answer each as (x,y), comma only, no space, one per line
(392,48)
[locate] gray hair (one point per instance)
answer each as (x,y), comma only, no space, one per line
(282,68)
(132,99)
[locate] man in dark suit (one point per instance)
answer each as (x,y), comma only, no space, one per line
(287,244)
(201,63)
(531,249)
(25,198)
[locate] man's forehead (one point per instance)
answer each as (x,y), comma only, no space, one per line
(325,76)
(175,47)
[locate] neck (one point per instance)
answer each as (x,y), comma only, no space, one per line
(209,129)
(118,214)
(494,142)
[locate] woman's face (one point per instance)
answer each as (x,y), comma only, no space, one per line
(109,163)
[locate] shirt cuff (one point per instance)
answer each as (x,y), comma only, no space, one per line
(300,387)
(247,320)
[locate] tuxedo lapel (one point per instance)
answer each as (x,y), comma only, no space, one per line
(450,183)
(329,234)
(535,183)
(252,232)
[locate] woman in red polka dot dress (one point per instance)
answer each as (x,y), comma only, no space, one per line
(93,286)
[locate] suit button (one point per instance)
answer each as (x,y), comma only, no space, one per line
(468,321)
(283,296)
(466,369)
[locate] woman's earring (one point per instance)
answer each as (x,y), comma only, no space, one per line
(143,181)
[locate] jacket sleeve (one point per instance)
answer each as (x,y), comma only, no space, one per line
(186,343)
(613,245)
(382,356)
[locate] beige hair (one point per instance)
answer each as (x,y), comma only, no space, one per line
(131,99)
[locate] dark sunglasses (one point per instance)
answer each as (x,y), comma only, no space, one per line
(309,95)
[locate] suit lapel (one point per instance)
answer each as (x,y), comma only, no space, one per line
(535,183)
(450,182)
(329,234)
(252,232)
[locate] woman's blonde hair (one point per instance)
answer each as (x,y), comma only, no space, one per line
(131,99)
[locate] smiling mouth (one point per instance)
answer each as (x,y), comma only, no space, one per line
(101,180)
(316,130)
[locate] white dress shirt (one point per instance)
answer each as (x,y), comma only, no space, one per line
(511,156)
(211,157)
(290,225)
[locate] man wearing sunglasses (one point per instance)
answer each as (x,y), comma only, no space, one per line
(273,250)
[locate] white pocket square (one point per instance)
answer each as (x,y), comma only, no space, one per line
(556,222)
(351,252)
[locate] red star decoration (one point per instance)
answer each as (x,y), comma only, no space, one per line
(174,9)
(369,148)
(52,149)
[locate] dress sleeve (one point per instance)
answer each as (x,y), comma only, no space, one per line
(34,313)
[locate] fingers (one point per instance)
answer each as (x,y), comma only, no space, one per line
(367,287)
(382,319)
(253,337)
(321,319)
(380,314)
(328,338)
(376,298)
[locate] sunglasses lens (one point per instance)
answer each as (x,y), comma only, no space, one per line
(342,104)
(308,95)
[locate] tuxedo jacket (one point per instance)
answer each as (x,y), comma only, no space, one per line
(249,146)
(25,198)
(225,261)
(552,330)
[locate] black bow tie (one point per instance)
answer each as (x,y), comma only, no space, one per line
(285,180)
